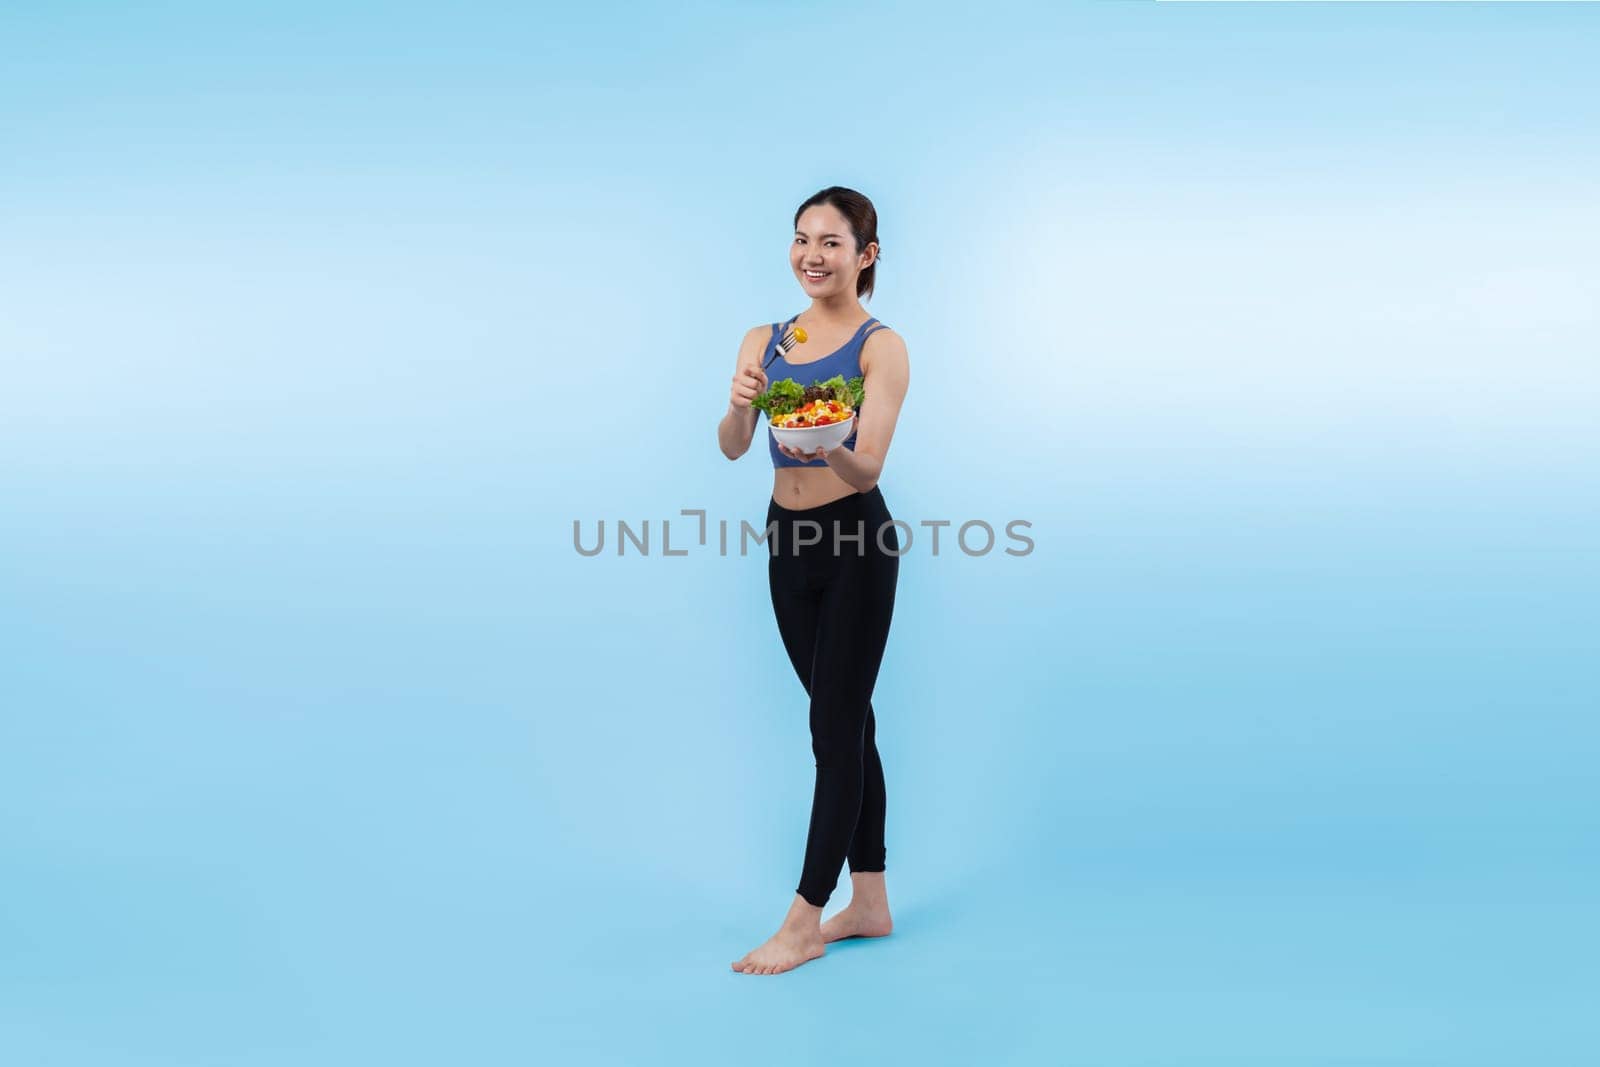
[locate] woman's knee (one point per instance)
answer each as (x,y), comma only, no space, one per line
(837,739)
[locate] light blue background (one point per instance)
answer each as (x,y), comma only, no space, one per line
(319,326)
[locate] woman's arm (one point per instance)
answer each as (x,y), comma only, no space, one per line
(738,424)
(885,377)
(735,430)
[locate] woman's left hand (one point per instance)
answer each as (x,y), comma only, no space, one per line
(820,453)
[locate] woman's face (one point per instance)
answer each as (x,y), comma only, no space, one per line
(824,245)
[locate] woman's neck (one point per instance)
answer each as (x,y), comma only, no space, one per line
(836,311)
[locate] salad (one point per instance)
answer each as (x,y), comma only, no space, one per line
(789,406)
(813,413)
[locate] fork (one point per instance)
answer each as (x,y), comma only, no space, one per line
(791,336)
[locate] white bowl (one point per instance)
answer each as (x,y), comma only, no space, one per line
(811,438)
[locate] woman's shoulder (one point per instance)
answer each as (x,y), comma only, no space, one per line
(882,342)
(762,332)
(755,341)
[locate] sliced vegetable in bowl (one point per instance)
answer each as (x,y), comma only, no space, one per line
(814,413)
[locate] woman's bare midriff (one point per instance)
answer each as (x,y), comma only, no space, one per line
(808,487)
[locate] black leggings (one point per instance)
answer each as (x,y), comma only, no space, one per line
(833,600)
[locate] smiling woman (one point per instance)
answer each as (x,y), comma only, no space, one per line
(833,607)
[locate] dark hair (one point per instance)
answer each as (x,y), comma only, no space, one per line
(863,219)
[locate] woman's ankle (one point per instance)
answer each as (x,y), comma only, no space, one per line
(868,891)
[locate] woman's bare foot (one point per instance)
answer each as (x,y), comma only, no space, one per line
(798,940)
(867,914)
(857,922)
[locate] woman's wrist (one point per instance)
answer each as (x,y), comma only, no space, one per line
(859,472)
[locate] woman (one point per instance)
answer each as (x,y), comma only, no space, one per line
(833,583)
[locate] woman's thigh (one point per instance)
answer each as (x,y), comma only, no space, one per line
(797,606)
(852,629)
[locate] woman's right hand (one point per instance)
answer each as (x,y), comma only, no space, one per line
(749,382)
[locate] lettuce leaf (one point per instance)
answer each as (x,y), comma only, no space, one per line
(851,392)
(786,394)
(780,398)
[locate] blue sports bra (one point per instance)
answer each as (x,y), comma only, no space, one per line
(845,361)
